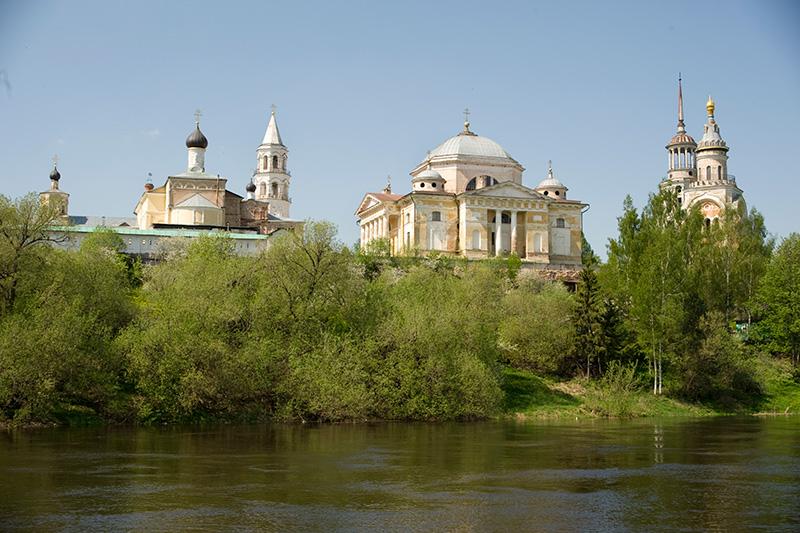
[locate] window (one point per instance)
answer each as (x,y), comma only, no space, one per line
(436,216)
(283,162)
(433,185)
(265,163)
(471,184)
(408,218)
(506,218)
(708,172)
(560,223)
(546,193)
(422,185)
(558,193)
(719,173)
(262,190)
(274,190)
(274,161)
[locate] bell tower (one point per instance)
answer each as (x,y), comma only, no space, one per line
(271,176)
(681,149)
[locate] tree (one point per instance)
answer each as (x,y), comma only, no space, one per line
(56,351)
(733,255)
(588,257)
(779,299)
(536,331)
(588,319)
(24,232)
(648,275)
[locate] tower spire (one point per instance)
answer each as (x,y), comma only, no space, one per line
(272,135)
(681,126)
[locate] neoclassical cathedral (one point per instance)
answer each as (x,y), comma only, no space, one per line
(197,198)
(698,172)
(467,199)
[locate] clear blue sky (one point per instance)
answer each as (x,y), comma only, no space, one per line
(364,89)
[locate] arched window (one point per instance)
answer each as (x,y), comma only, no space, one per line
(436,216)
(274,162)
(560,223)
(471,184)
(265,163)
(283,162)
(719,173)
(262,189)
(708,172)
(506,218)
(274,190)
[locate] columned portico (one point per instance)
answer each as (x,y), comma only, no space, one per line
(498,233)
(513,232)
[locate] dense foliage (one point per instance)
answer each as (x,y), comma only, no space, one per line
(311,330)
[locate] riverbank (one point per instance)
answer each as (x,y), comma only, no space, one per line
(532,397)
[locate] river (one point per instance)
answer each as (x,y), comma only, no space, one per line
(596,475)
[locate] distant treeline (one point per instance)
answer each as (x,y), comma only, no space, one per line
(314,330)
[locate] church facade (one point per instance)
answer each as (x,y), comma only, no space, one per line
(197,198)
(195,202)
(698,172)
(467,199)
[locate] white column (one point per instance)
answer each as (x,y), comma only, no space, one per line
(498,232)
(361,228)
(514,231)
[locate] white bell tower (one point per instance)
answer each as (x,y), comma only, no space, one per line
(271,177)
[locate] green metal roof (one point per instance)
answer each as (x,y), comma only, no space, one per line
(160,232)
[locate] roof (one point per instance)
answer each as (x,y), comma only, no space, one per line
(162,232)
(196,139)
(681,138)
(467,143)
(371,199)
(102,221)
(272,135)
(550,182)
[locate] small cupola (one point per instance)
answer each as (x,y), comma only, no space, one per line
(551,187)
(428,181)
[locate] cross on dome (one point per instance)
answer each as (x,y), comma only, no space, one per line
(197,115)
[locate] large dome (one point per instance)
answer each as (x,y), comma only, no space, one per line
(472,145)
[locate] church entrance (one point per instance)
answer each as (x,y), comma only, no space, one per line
(505,235)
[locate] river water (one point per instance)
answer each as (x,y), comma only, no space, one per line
(701,474)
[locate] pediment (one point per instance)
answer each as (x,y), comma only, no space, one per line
(507,189)
(374,199)
(196,200)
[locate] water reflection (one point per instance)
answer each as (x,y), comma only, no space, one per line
(722,473)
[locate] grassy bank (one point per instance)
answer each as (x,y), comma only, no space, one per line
(532,397)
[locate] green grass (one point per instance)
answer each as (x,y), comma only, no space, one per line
(530,395)
(781,388)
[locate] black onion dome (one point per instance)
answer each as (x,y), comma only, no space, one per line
(251,187)
(55,175)
(196,139)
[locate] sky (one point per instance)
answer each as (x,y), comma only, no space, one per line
(364,89)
